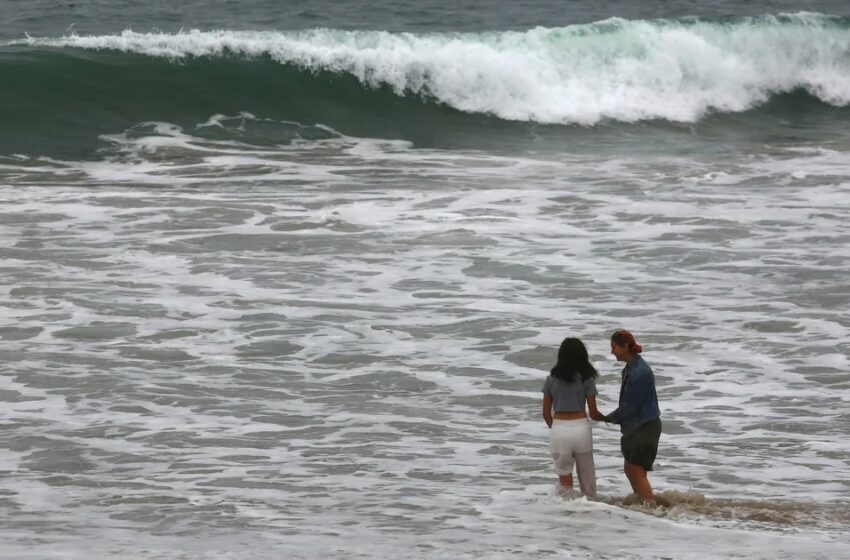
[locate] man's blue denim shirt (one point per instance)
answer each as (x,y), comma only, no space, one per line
(638,399)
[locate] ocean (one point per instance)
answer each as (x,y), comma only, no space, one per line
(284,280)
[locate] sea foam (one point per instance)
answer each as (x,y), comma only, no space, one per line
(677,70)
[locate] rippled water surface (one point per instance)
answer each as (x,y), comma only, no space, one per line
(217,349)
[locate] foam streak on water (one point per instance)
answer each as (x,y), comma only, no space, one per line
(219,350)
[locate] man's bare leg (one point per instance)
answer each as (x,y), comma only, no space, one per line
(640,483)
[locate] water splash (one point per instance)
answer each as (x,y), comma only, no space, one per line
(677,70)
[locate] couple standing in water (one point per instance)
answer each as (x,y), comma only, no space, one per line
(571,384)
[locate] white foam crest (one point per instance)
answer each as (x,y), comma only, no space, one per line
(614,69)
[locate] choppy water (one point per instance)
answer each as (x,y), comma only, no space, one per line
(292,294)
(54,18)
(335,348)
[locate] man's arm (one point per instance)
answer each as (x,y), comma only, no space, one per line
(638,389)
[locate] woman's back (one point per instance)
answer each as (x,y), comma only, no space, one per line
(569,396)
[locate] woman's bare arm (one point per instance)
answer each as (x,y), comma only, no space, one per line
(594,412)
(547,409)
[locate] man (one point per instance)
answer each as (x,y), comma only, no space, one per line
(637,414)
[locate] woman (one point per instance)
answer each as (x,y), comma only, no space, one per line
(637,413)
(568,387)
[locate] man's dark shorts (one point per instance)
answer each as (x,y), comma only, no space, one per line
(641,446)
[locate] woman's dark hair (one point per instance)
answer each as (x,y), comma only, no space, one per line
(573,362)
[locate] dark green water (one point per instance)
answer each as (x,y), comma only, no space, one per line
(712,82)
(53,18)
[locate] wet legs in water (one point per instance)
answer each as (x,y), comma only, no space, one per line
(586,475)
(640,483)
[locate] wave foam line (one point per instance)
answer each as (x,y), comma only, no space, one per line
(611,70)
